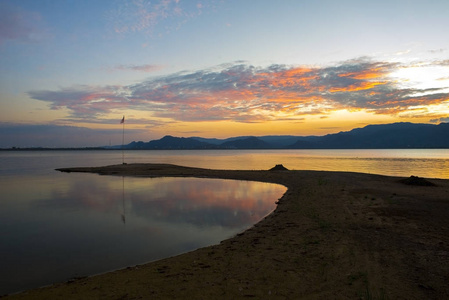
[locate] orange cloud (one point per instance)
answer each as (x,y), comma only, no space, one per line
(245,93)
(373,73)
(356,87)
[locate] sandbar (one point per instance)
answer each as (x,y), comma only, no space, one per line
(333,235)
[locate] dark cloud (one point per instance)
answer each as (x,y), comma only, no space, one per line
(51,135)
(20,25)
(245,93)
(84,101)
(150,123)
(440,120)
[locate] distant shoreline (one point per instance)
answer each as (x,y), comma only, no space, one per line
(333,233)
(202,149)
(386,136)
(53,149)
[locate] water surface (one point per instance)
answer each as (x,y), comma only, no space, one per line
(430,163)
(56,226)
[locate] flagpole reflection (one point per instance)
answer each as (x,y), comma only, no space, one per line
(123,200)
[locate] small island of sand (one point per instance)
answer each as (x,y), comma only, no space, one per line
(333,235)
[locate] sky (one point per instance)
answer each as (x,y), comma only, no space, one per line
(71,69)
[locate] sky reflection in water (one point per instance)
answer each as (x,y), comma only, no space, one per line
(54,228)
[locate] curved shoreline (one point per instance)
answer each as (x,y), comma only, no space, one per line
(332,235)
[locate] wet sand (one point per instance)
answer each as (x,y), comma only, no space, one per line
(333,235)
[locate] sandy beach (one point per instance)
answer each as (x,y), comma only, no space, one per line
(333,235)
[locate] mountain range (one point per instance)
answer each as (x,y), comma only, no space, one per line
(386,136)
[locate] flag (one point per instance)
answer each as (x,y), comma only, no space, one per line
(123,120)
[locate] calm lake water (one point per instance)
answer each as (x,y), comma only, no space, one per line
(55,226)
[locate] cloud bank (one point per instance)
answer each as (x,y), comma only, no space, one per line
(53,135)
(245,93)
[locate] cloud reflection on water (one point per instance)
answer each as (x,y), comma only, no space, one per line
(194,200)
(67,225)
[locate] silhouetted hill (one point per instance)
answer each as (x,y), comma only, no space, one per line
(215,141)
(246,143)
(275,141)
(388,136)
(170,142)
(282,141)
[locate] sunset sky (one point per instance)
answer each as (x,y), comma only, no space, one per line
(71,69)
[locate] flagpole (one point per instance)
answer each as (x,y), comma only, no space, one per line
(123,140)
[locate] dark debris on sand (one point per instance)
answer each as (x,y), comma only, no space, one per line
(415,180)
